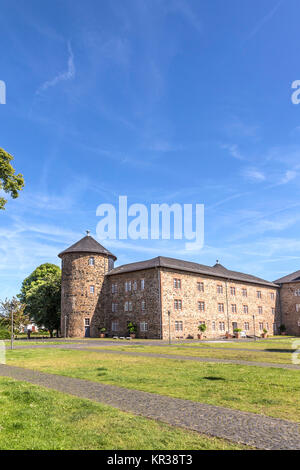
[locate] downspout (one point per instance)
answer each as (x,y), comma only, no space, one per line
(160,301)
(228,324)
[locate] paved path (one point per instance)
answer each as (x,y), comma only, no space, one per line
(238,426)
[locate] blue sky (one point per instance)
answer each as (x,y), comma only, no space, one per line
(176,101)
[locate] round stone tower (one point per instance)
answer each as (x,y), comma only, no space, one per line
(84,268)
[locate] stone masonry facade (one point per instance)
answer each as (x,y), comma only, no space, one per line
(290,307)
(164,302)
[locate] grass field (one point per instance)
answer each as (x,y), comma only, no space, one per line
(35,418)
(217,353)
(269,391)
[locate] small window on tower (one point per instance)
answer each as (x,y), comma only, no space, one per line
(92,289)
(91,261)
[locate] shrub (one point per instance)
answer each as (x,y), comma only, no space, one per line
(4,333)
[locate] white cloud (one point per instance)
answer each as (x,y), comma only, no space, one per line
(234,151)
(254,175)
(289,176)
(61,77)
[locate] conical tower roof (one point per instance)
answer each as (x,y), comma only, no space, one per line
(87,245)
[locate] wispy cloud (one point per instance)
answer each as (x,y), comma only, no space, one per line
(234,151)
(61,77)
(253,175)
(289,176)
(264,20)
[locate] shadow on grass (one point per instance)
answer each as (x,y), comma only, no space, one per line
(214,378)
(281,350)
(102,371)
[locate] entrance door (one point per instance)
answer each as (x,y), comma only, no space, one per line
(234,325)
(86,327)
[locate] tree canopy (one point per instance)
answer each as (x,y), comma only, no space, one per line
(9,307)
(41,292)
(10,183)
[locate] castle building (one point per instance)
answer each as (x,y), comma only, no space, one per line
(167,297)
(290,302)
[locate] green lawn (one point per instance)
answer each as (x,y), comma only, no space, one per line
(270,391)
(217,353)
(32,417)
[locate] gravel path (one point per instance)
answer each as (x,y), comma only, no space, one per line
(241,427)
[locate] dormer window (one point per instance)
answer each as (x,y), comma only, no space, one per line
(91,261)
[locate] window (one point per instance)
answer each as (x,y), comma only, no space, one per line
(128,286)
(130,306)
(126,307)
(86,322)
(91,261)
(272,295)
(114,307)
(261,326)
(222,326)
(213,326)
(297,307)
(201,306)
(177,304)
(246,326)
(178,326)
(260,310)
(142,284)
(110,264)
(134,285)
(233,308)
(232,290)
(200,286)
(221,307)
(258,294)
(114,288)
(143,305)
(115,326)
(92,289)
(219,289)
(244,292)
(177,283)
(297,292)
(234,325)
(143,326)
(245,309)
(273,311)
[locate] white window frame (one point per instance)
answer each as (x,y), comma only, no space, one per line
(143,326)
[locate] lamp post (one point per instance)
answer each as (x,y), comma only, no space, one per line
(254,327)
(12,331)
(169,315)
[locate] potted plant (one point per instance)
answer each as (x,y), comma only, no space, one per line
(237,333)
(202,329)
(132,330)
(282,329)
(102,332)
(265,333)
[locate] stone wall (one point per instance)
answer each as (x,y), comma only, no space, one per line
(77,302)
(150,295)
(190,315)
(290,316)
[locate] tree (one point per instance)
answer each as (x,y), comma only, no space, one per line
(10,183)
(14,307)
(41,292)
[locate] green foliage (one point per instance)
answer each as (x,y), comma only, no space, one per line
(202,327)
(4,333)
(237,330)
(131,327)
(282,328)
(13,307)
(10,183)
(41,292)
